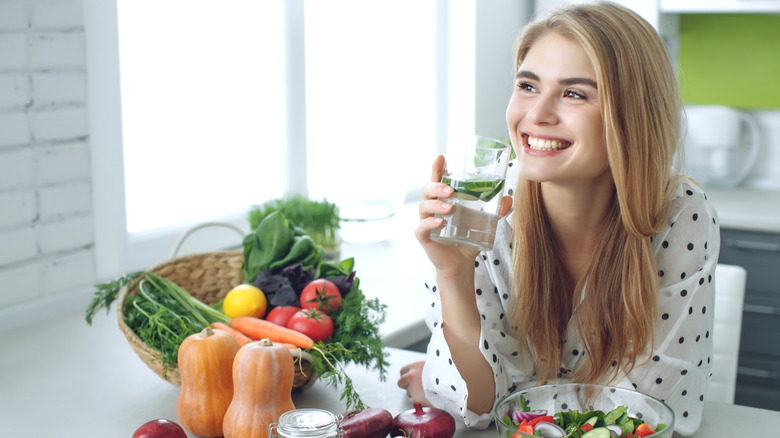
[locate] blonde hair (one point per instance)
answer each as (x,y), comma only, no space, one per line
(640,107)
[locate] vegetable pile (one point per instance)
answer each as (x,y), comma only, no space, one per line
(572,423)
(303,303)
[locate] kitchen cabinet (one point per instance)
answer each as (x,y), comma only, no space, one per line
(758,373)
(719,6)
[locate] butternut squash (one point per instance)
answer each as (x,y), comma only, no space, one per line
(205,366)
(262,384)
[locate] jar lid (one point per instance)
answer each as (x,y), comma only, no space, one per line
(308,423)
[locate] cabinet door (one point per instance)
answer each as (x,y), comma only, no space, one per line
(719,6)
(758,253)
(758,374)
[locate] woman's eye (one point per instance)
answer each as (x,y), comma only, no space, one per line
(571,94)
(525,86)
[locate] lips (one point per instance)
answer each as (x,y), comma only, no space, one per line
(546,144)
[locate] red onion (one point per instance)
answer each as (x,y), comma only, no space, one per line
(367,423)
(615,430)
(424,422)
(519,416)
(548,429)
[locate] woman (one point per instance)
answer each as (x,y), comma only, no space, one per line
(602,273)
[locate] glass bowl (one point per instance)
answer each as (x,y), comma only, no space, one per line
(584,397)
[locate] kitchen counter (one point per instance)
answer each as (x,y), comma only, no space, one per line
(747,209)
(63,378)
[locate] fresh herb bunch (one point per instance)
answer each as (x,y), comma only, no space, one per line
(355,340)
(320,219)
(107,293)
(161,313)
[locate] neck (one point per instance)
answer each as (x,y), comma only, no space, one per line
(577,213)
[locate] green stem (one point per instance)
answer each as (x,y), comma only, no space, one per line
(154,318)
(204,313)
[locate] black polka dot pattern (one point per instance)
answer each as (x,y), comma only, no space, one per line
(676,370)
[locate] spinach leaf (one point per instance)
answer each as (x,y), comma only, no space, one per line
(614,415)
(276,244)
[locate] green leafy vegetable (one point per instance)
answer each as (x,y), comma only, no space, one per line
(355,340)
(161,313)
(614,415)
(319,219)
(276,244)
(572,420)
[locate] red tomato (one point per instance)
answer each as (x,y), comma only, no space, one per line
(547,418)
(644,430)
(281,315)
(312,323)
(322,295)
(525,428)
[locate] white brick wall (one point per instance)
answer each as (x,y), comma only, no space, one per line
(46,225)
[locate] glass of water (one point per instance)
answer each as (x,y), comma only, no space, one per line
(475,167)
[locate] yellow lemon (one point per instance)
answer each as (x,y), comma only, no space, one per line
(244,300)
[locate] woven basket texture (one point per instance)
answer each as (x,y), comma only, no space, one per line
(207,277)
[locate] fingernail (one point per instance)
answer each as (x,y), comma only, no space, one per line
(447,190)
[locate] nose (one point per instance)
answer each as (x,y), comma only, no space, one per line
(543,110)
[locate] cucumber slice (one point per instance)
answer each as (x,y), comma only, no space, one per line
(598,432)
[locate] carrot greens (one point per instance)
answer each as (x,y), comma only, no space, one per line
(161,313)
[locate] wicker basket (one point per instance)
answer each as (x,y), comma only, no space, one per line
(208,277)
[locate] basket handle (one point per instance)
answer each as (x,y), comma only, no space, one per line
(183,237)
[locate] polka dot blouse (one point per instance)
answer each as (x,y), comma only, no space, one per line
(678,369)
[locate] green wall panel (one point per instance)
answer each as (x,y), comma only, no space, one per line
(730,59)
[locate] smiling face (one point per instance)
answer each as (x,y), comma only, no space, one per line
(554,114)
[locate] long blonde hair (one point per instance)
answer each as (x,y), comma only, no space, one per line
(640,107)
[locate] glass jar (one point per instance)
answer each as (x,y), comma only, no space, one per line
(308,423)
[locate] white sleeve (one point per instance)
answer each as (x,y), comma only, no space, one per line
(444,386)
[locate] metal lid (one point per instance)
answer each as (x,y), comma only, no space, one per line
(308,423)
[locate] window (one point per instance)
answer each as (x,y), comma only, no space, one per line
(370,97)
(200,93)
(199,110)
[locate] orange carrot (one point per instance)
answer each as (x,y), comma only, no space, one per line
(290,346)
(241,338)
(258,329)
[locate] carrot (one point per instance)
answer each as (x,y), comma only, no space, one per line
(241,338)
(290,346)
(257,329)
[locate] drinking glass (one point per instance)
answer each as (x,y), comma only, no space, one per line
(475,167)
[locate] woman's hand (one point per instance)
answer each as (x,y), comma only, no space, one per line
(449,261)
(411,381)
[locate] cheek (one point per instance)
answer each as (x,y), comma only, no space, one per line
(514,113)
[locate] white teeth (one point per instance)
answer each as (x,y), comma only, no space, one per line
(545,144)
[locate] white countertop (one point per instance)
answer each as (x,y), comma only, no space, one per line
(66,379)
(395,271)
(747,209)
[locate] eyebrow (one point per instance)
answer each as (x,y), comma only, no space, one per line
(564,81)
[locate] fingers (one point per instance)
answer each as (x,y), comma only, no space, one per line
(506,205)
(437,169)
(412,366)
(411,381)
(403,382)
